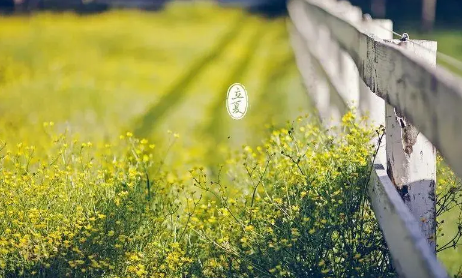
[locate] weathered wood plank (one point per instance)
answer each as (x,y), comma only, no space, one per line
(412,257)
(430,98)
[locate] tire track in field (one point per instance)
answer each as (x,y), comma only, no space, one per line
(279,69)
(266,97)
(145,124)
(253,127)
(217,127)
(277,95)
(278,103)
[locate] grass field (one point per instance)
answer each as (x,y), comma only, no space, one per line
(147,73)
(75,88)
(93,108)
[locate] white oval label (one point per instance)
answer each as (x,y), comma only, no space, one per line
(237,101)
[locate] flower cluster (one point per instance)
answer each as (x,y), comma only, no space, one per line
(293,207)
(296,206)
(83,209)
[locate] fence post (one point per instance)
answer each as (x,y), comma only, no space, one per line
(321,91)
(348,71)
(319,41)
(370,103)
(325,48)
(313,80)
(411,158)
(325,44)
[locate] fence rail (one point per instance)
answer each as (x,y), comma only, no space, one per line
(347,59)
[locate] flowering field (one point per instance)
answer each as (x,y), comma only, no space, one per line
(118,157)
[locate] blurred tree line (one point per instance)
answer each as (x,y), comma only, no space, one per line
(21,6)
(423,14)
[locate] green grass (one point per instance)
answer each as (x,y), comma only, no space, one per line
(106,74)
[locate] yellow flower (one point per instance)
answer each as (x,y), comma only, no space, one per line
(295,208)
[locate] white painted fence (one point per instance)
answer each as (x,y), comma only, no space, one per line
(347,59)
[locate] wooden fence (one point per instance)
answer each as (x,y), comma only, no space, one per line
(348,59)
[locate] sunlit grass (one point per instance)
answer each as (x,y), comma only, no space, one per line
(96,72)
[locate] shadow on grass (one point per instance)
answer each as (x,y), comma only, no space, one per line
(179,89)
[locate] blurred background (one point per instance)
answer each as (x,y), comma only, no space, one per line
(424,14)
(100,70)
